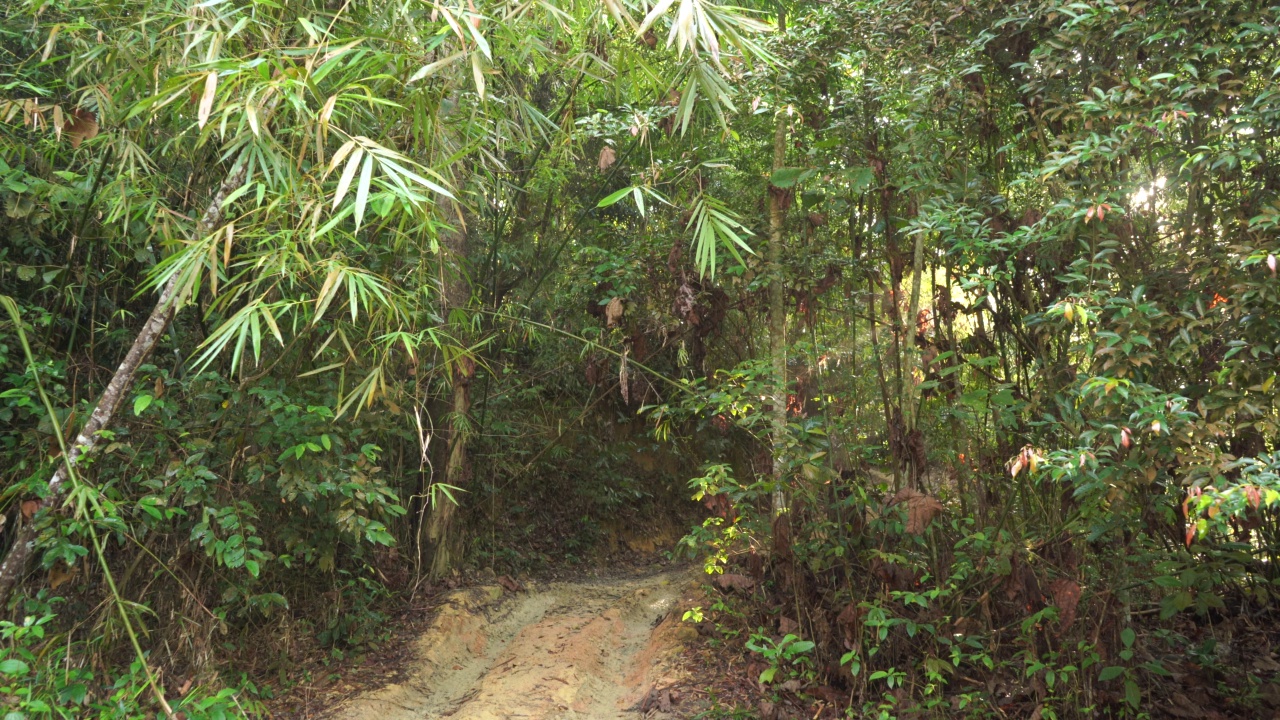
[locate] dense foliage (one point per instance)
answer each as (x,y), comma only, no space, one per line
(960,315)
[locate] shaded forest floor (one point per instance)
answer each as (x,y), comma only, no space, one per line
(611,643)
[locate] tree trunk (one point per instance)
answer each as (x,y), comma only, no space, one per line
(442,532)
(19,556)
(779,201)
(911,360)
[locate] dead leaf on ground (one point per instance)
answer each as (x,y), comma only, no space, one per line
(921,508)
(734,581)
(1182,706)
(658,699)
(61,574)
(787,626)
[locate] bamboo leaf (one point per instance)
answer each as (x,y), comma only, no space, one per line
(346,148)
(658,10)
(431,68)
(362,192)
(327,291)
(614,197)
(477,72)
(348,173)
(326,368)
(206,99)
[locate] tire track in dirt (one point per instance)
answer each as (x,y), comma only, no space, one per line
(588,649)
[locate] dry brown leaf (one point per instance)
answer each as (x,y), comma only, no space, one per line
(921,509)
(206,99)
(607,157)
(613,312)
(61,574)
(1183,707)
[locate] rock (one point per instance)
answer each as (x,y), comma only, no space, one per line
(686,634)
(1270,693)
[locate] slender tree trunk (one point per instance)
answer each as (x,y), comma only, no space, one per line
(910,358)
(15,563)
(779,201)
(442,532)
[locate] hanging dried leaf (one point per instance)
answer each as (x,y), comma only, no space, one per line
(685,304)
(49,43)
(613,312)
(206,100)
(921,509)
(607,157)
(81,126)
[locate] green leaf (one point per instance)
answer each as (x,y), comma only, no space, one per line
(142,402)
(13,667)
(615,197)
(1132,694)
(766,677)
(789,176)
(73,694)
(1127,636)
(860,178)
(1110,673)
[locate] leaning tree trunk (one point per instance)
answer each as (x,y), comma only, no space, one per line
(442,532)
(15,563)
(779,201)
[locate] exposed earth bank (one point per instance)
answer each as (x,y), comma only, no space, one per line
(606,648)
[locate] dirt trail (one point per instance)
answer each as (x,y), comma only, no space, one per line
(589,649)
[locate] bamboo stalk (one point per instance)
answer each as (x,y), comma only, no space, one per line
(19,556)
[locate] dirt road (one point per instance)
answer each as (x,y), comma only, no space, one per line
(593,649)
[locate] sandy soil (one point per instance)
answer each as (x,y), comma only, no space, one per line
(590,649)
